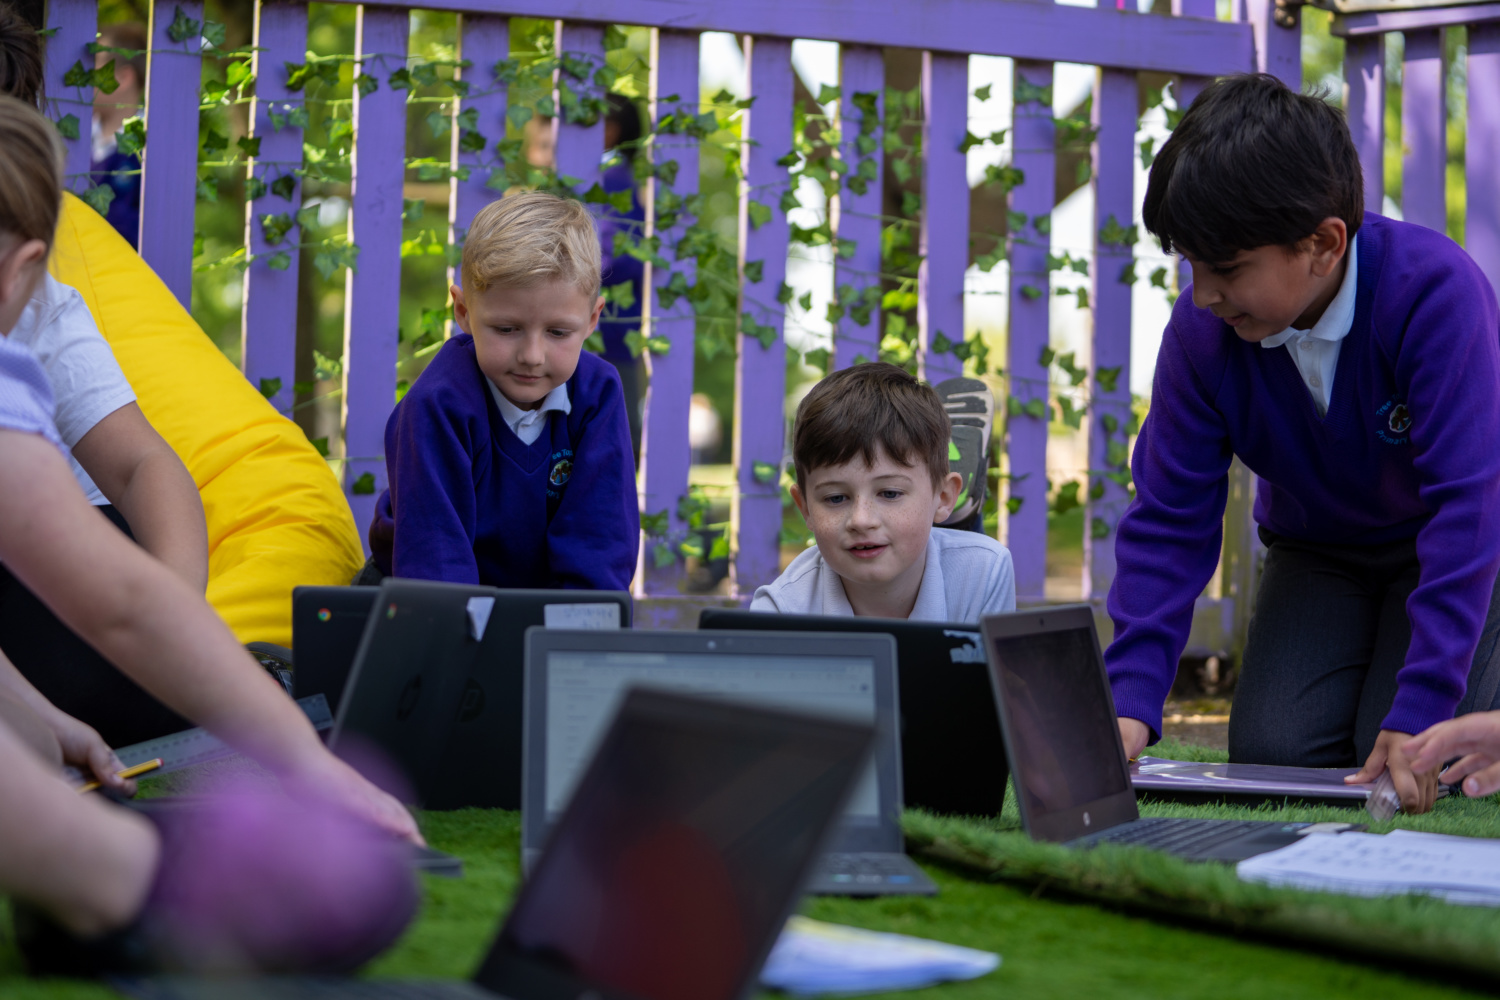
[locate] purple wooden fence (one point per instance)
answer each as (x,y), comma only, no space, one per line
(1191,45)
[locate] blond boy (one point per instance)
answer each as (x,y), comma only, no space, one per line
(509,459)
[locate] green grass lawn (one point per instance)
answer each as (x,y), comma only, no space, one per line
(1068,924)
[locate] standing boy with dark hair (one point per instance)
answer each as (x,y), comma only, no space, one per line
(870,449)
(1358,379)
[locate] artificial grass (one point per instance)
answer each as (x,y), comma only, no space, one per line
(1067,923)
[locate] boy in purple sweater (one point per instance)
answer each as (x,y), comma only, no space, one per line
(1353,363)
(509,459)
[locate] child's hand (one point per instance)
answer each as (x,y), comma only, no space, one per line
(1417,788)
(1474,738)
(85,749)
(1134,734)
(330,780)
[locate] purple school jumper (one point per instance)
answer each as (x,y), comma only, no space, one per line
(469,503)
(1410,448)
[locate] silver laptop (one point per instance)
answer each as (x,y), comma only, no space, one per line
(733,799)
(574,680)
(1057,716)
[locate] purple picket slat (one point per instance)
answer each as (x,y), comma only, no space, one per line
(665,454)
(269,314)
(760,371)
(1033,31)
(945,212)
(1114,115)
(1195,8)
(1424,132)
(861,71)
(1364,102)
(483,41)
(75,23)
(581,147)
(1278,50)
(372,290)
(1482,228)
(1034,136)
(170,159)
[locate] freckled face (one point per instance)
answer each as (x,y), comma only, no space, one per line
(872,522)
(527,340)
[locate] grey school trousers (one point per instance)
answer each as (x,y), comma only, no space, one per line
(1329,633)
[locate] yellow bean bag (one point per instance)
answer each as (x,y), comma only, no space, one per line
(276,515)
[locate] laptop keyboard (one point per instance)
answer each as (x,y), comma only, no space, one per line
(1186,836)
(867,869)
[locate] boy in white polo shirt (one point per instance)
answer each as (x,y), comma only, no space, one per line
(870,450)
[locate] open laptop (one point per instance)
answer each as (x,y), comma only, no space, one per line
(1057,715)
(479,760)
(669,875)
(952,756)
(574,680)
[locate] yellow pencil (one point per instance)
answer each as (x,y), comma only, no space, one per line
(129,772)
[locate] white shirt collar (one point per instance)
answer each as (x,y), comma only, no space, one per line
(1337,319)
(520,421)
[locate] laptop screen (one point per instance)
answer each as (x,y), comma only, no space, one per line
(585,688)
(672,870)
(1062,734)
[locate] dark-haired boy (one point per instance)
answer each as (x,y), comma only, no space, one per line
(870,450)
(1353,363)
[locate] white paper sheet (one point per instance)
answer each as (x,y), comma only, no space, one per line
(1458,869)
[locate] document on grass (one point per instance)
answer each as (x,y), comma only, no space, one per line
(1456,869)
(813,958)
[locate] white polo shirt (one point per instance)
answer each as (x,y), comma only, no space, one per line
(1316,351)
(528,424)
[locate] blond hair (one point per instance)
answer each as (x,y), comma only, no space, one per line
(31,160)
(528,238)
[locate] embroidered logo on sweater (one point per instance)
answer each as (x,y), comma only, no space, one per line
(562,471)
(1397,422)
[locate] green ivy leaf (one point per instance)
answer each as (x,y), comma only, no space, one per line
(982,93)
(1116,453)
(237,72)
(1099,528)
(720,548)
(214,141)
(765,472)
(285,186)
(208,188)
(827,94)
(662,556)
(400,79)
(755,270)
(1031,292)
(817,359)
(79,76)
(805,301)
(1159,278)
(1107,378)
(845,249)
(438,123)
(656,525)
(279,261)
(67,127)
(270,387)
(275,227)
(183,27)
(320,444)
(213,33)
(364,485)
(1127,274)
(785,294)
(1109,423)
(249,145)
(99,197)
(658,345)
(366,84)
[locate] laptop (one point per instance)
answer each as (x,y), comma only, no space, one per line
(574,680)
(952,756)
(1057,715)
(479,764)
(407,682)
(327,625)
(669,875)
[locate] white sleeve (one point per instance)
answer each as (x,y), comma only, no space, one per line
(1000,590)
(86,379)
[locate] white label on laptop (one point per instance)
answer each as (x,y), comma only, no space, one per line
(479,615)
(582,616)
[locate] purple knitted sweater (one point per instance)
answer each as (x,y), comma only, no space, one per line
(1410,448)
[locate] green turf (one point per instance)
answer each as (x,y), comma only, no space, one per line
(1069,924)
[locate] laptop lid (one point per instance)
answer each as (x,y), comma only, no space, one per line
(679,858)
(575,681)
(487,731)
(952,756)
(408,677)
(327,625)
(1058,719)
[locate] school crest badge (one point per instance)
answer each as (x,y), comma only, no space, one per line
(1400,419)
(561,472)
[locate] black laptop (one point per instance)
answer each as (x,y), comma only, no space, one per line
(669,875)
(479,764)
(952,756)
(1057,714)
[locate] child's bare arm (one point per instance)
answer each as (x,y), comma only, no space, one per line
(81,744)
(146,620)
(143,477)
(86,863)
